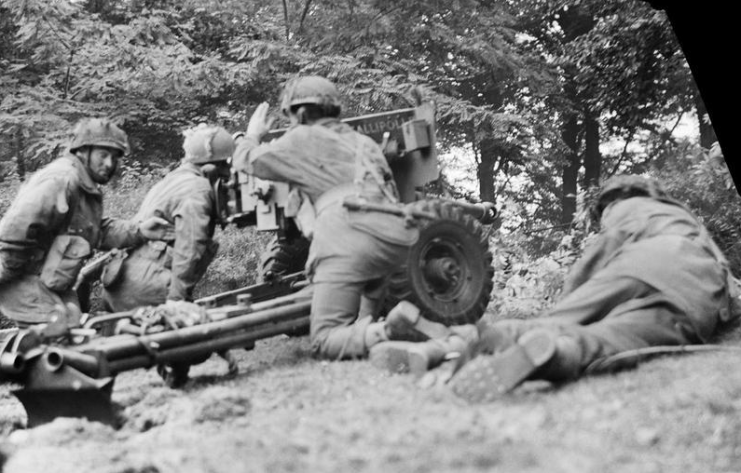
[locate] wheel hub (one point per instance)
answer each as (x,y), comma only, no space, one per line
(444,269)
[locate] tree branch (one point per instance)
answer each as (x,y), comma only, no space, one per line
(303,15)
(56,33)
(624,153)
(285,19)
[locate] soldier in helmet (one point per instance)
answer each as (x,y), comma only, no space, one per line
(351,253)
(156,271)
(56,222)
(653,276)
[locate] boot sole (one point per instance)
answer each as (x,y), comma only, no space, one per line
(489,377)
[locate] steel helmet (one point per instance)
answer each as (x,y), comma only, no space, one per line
(310,90)
(99,132)
(625,186)
(207,144)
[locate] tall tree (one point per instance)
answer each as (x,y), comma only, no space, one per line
(622,73)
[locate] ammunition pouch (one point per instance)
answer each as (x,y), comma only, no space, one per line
(63,262)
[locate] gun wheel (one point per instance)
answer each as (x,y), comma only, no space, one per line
(449,273)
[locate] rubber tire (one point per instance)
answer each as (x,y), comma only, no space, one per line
(461,237)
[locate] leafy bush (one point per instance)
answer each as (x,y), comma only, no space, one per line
(526,285)
(10,183)
(703,182)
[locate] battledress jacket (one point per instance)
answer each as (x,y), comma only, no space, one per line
(155,271)
(663,245)
(49,231)
(327,162)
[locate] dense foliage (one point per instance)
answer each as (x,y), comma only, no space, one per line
(543,98)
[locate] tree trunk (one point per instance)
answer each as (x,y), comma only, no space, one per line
(488,155)
(592,156)
(707,134)
(569,134)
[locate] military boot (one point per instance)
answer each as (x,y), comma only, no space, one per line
(498,336)
(419,357)
(488,377)
(566,365)
(405,322)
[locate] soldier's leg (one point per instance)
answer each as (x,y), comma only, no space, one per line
(336,331)
(595,299)
(28,301)
(142,281)
(372,299)
(556,350)
(641,323)
(589,303)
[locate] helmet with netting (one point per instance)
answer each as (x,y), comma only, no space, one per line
(310,90)
(625,186)
(99,132)
(207,144)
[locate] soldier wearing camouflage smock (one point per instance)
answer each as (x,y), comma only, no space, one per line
(351,252)
(157,271)
(56,222)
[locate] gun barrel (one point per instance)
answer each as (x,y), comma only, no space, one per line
(194,350)
(126,346)
(12,363)
(485,212)
(56,357)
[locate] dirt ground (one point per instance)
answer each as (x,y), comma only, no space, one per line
(287,412)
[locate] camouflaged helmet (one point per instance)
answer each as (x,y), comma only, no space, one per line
(205,144)
(310,90)
(99,132)
(626,186)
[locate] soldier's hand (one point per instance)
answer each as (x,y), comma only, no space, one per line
(157,228)
(259,123)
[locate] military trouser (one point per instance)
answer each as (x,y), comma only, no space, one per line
(601,318)
(143,280)
(340,315)
(348,267)
(28,301)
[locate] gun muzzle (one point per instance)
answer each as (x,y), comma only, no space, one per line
(56,357)
(12,363)
(484,212)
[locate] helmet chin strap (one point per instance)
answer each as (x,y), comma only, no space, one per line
(86,162)
(84,156)
(300,115)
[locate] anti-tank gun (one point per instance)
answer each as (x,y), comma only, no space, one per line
(448,272)
(70,372)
